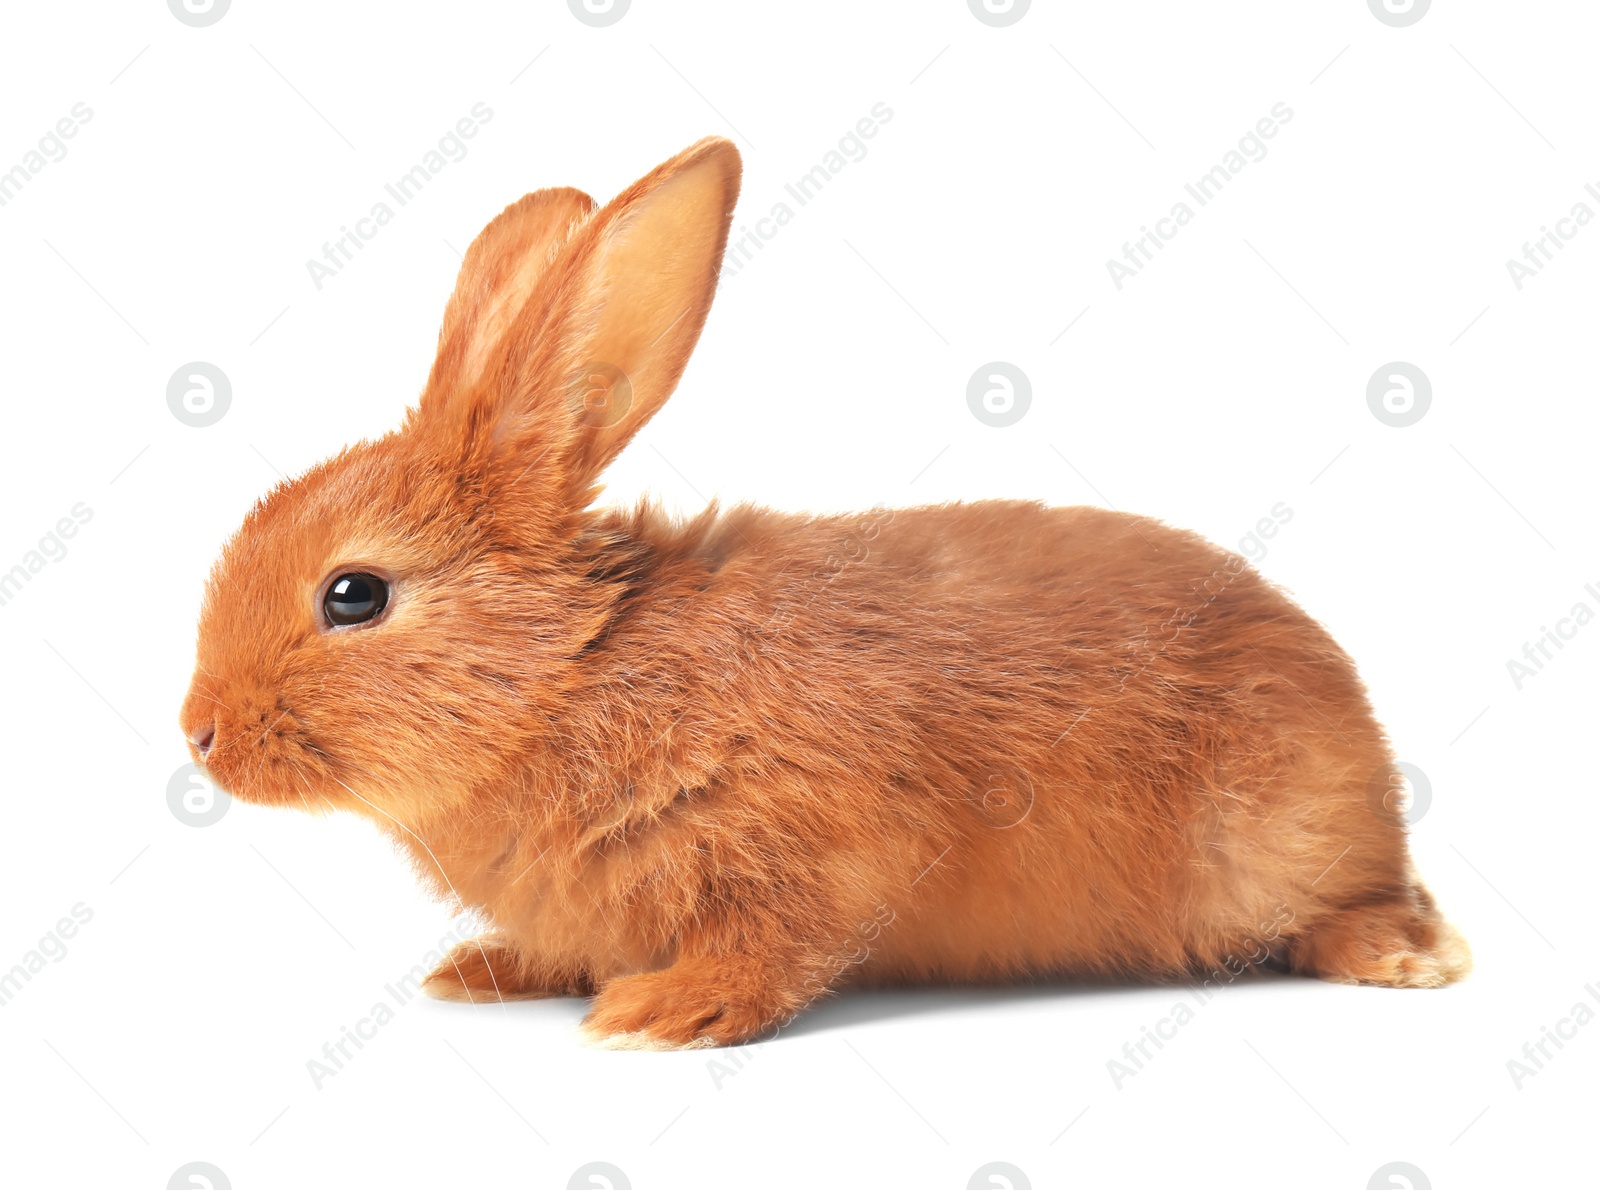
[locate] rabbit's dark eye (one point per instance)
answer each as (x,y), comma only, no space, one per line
(354,599)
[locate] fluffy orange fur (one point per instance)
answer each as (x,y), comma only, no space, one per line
(708,770)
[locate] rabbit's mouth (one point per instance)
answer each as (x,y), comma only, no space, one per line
(257,752)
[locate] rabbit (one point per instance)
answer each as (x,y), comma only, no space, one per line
(710,769)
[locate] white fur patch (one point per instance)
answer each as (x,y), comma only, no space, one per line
(638,1040)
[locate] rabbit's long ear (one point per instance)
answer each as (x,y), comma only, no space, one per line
(605,331)
(638,283)
(498,277)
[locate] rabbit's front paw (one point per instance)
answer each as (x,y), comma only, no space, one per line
(693,1003)
(487,969)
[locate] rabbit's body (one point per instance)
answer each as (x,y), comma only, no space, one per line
(968,742)
(709,770)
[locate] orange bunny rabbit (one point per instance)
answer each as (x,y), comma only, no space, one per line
(709,769)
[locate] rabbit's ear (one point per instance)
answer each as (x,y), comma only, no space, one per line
(498,276)
(642,275)
(569,329)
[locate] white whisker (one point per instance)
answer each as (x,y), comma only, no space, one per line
(487,966)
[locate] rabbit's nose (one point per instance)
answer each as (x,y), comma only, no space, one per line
(203,737)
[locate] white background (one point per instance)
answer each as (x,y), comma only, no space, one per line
(1228,376)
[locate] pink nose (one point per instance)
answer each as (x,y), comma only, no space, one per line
(203,737)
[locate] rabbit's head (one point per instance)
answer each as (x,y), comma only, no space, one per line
(406,621)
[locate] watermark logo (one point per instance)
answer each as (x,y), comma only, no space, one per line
(999,1175)
(1400,791)
(194,798)
(1399,1175)
(599,394)
(52,547)
(1536,1054)
(51,147)
(1399,394)
(856,950)
(1535,653)
(336,1055)
(199,13)
(1253,545)
(1249,149)
(1136,1054)
(598,1175)
(1543,250)
(1399,13)
(599,13)
(999,13)
(199,394)
(750,238)
(449,149)
(1003,797)
(999,394)
(199,1175)
(50,948)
